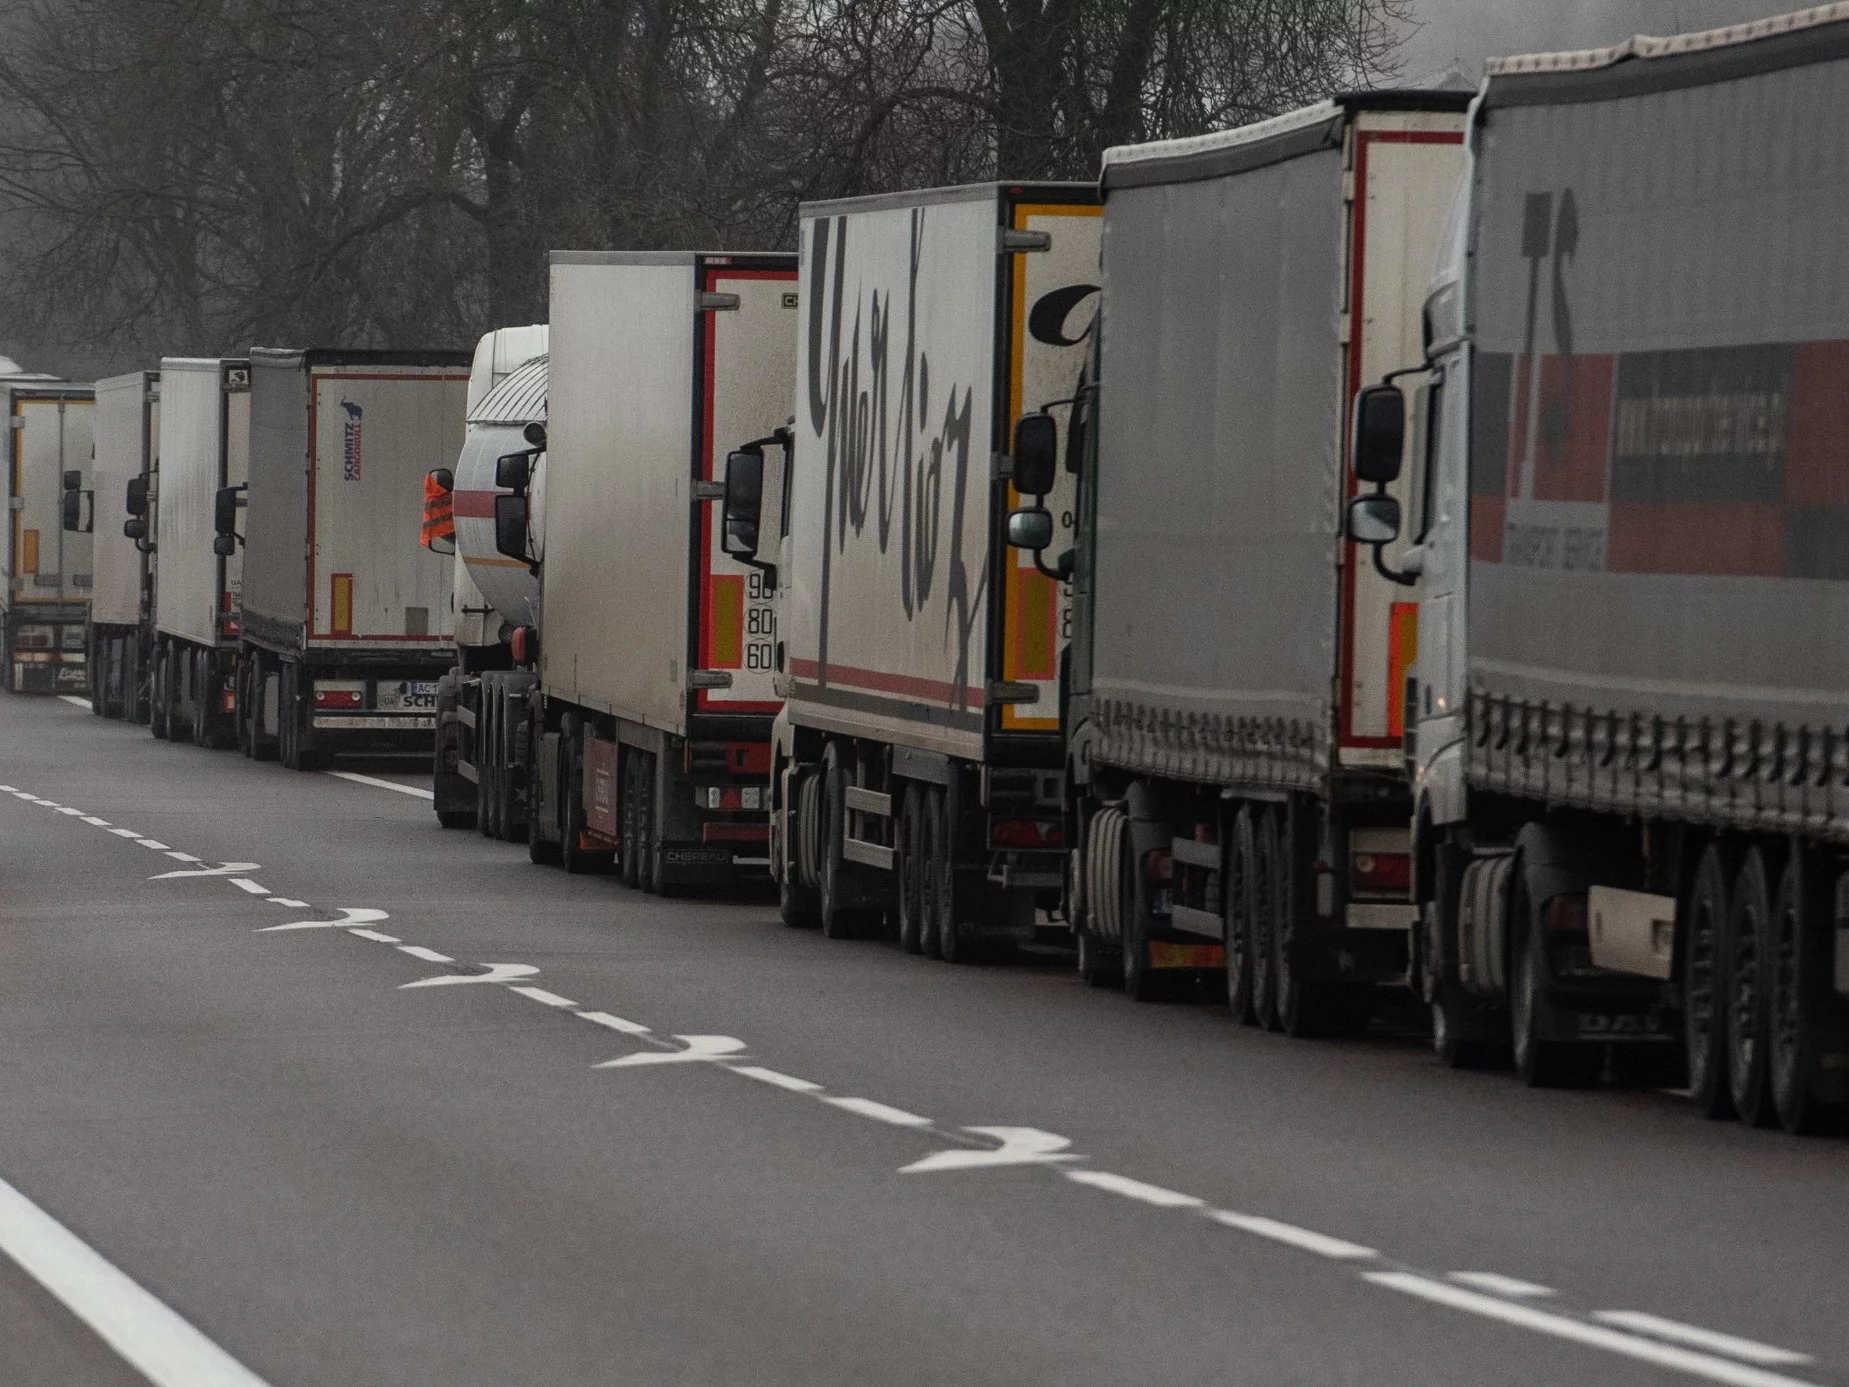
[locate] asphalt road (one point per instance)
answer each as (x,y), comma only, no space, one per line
(356,1153)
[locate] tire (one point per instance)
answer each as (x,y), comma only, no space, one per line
(485,769)
(1540,1063)
(838,921)
(911,870)
(515,760)
(133,707)
(1806,1016)
(1142,983)
(1236,910)
(1100,963)
(941,937)
(795,899)
(1263,896)
(160,709)
(1450,1041)
(204,728)
(1749,950)
(1705,984)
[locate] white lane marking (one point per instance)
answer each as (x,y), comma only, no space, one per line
(246,884)
(8,789)
(1497,1284)
(699,1049)
(179,856)
(497,972)
(428,955)
(349,917)
(95,822)
(74,813)
(879,1112)
(289,901)
(159,846)
(224,869)
(615,1023)
(1578,1331)
(126,832)
(1747,1350)
(375,936)
(1303,1238)
(768,1076)
(379,784)
(1135,1189)
(1019,1146)
(150,1336)
(540,995)
(76,701)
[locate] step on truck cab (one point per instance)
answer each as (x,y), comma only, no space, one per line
(1238,798)
(650,731)
(344,626)
(1631,805)
(204,445)
(122,543)
(916,769)
(45,620)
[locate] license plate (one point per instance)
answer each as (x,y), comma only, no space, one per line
(408,695)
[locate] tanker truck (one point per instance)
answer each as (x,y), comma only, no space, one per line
(1629,478)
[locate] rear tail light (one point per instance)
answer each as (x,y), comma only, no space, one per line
(339,698)
(524,644)
(230,701)
(1381,873)
(1027,833)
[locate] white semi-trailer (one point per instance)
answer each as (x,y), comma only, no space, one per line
(122,547)
(204,449)
(1238,795)
(1632,803)
(344,627)
(649,732)
(45,585)
(917,764)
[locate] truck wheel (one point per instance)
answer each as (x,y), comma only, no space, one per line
(1142,983)
(203,729)
(1705,984)
(159,710)
(482,751)
(516,736)
(911,870)
(1264,890)
(1749,950)
(1236,911)
(795,899)
(134,706)
(838,920)
(1807,1034)
(1541,1063)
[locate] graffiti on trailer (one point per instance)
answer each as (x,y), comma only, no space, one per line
(893,442)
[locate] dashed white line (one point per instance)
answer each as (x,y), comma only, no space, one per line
(1748,1350)
(179,856)
(150,1336)
(153,843)
(879,1112)
(1579,1331)
(92,820)
(246,884)
(1135,1189)
(8,790)
(379,784)
(540,995)
(1497,1284)
(74,813)
(1302,1238)
(289,901)
(76,701)
(775,1079)
(615,1023)
(126,832)
(375,936)
(418,951)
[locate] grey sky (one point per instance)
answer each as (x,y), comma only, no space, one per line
(1462,33)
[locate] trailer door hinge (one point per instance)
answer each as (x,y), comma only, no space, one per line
(18,421)
(708,491)
(1001,467)
(718,303)
(712,679)
(1021,242)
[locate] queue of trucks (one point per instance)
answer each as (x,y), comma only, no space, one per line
(1396,546)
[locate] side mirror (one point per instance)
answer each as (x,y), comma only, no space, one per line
(137,496)
(1379,438)
(70,511)
(224,545)
(510,526)
(1374,519)
(225,510)
(73,481)
(744,502)
(135,528)
(1031,527)
(512,470)
(442,478)
(535,433)
(1036,453)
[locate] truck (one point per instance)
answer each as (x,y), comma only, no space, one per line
(1629,816)
(481,701)
(204,449)
(344,629)
(1237,800)
(122,543)
(916,768)
(647,738)
(45,618)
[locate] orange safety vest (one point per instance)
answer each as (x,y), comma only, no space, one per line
(439,517)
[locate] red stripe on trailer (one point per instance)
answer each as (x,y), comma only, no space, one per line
(878,681)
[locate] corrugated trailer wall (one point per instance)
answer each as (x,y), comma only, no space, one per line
(1662,436)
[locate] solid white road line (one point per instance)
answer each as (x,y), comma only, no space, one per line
(379,784)
(1497,1284)
(76,702)
(879,1112)
(615,1023)
(540,995)
(776,1080)
(1303,1238)
(1747,1350)
(375,936)
(428,955)
(1134,1189)
(159,1344)
(1578,1331)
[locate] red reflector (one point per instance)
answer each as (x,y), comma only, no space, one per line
(1566,915)
(1026,833)
(748,758)
(339,698)
(231,701)
(734,833)
(1381,873)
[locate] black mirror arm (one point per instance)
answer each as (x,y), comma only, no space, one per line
(1060,572)
(1392,575)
